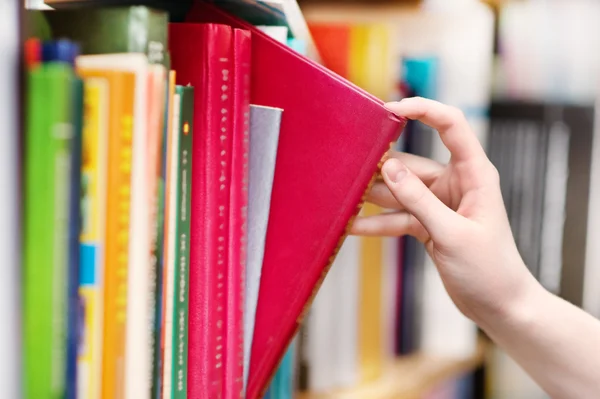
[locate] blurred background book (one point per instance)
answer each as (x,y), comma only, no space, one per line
(525,74)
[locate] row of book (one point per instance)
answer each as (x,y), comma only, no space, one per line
(161,257)
(109,237)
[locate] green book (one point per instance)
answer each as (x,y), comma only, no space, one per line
(131,29)
(46,227)
(182,247)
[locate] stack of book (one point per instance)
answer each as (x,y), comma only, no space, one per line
(186,188)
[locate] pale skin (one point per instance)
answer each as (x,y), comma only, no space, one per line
(457,211)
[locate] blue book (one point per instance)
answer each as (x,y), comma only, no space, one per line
(74,305)
(282,386)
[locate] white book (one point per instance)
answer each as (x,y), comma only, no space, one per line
(264,139)
(390,295)
(346,274)
(321,346)
(279,33)
(555,199)
(10,273)
(139,302)
(333,324)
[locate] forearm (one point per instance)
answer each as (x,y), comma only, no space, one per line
(557,343)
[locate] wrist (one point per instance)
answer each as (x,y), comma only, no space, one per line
(519,309)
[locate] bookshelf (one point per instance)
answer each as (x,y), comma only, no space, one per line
(410,377)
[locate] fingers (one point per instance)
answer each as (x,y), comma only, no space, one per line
(451,124)
(381,196)
(390,225)
(419,201)
(426,169)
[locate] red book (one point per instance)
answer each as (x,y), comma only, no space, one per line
(202,55)
(333,136)
(236,270)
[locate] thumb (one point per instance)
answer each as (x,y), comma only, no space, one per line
(418,200)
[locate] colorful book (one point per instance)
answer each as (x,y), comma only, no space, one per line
(112,279)
(238,214)
(264,137)
(184,165)
(202,55)
(138,356)
(171,218)
(48,146)
(325,164)
(94,168)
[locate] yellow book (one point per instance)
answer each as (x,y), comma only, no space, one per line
(93,200)
(369,69)
(118,199)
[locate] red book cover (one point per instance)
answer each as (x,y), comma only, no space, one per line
(202,55)
(333,137)
(236,270)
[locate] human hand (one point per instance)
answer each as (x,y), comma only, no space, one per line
(457,211)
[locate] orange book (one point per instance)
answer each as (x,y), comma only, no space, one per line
(333,43)
(120,131)
(167,275)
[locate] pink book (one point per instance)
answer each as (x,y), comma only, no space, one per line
(202,55)
(234,342)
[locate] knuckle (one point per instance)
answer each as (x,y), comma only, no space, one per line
(457,114)
(453,116)
(493,174)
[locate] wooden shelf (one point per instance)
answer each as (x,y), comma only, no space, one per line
(409,378)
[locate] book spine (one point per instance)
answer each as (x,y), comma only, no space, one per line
(92,242)
(74,313)
(236,265)
(162,252)
(47,171)
(222,113)
(139,278)
(61,141)
(153,23)
(171,247)
(181,292)
(208,66)
(118,238)
(156,106)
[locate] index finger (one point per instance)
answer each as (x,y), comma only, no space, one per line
(454,130)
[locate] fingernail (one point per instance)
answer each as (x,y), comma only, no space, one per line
(394,170)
